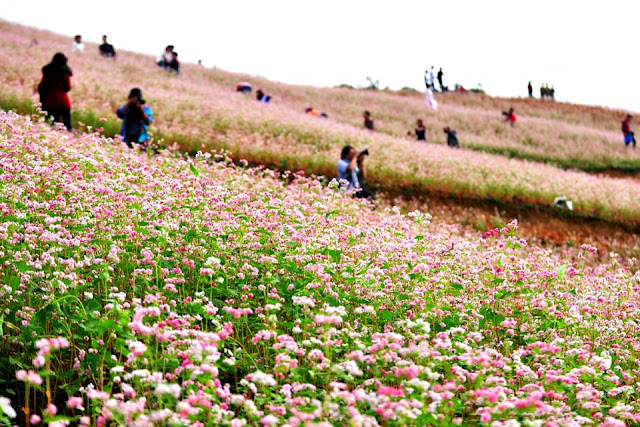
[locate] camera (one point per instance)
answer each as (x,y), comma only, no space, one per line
(364,152)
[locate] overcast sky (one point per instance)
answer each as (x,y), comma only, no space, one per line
(584,48)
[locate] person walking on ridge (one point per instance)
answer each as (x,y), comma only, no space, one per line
(136,117)
(440,74)
(54,90)
(530,89)
(629,136)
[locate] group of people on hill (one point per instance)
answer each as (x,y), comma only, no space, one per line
(245,87)
(54,88)
(545,91)
(168,60)
(107,50)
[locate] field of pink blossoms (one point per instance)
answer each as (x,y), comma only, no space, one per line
(200,111)
(160,290)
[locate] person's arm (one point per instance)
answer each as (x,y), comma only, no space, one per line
(120,111)
(361,166)
(353,163)
(66,83)
(148,114)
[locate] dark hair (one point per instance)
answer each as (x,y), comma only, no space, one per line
(169,47)
(58,66)
(367,112)
(345,151)
(420,122)
(136,92)
(628,116)
(175,53)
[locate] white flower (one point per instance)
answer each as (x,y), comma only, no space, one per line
(211,260)
(5,405)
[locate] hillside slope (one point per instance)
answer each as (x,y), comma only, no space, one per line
(200,110)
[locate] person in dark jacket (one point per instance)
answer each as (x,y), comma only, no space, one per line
(136,117)
(420,131)
(452,138)
(106,49)
(368,121)
(262,97)
(174,65)
(54,90)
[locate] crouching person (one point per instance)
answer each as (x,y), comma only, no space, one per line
(136,117)
(351,169)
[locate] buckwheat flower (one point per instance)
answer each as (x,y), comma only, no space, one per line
(211,261)
(269,420)
(260,377)
(5,407)
(35,419)
(75,403)
(30,377)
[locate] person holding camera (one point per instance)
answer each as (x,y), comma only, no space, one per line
(136,117)
(351,169)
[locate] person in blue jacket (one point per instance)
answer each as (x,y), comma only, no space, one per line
(136,117)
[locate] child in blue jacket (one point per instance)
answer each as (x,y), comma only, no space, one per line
(136,117)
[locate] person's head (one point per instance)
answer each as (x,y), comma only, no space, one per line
(175,54)
(511,110)
(136,93)
(628,116)
(367,115)
(309,109)
(104,39)
(59,59)
(348,153)
(78,38)
(169,48)
(419,123)
(446,129)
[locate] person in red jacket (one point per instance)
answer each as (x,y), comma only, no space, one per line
(54,90)
(510,116)
(629,137)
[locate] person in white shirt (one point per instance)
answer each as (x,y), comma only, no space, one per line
(164,59)
(77,45)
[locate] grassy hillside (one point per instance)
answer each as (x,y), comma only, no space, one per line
(200,111)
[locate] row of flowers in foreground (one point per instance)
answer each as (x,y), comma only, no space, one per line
(164,291)
(201,114)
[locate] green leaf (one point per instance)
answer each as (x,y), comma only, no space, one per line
(194,170)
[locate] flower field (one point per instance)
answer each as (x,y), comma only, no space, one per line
(200,111)
(160,290)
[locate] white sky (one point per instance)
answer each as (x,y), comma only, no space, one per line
(582,47)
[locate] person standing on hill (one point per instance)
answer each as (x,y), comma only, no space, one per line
(440,74)
(530,89)
(629,137)
(77,45)
(368,121)
(452,137)
(54,90)
(136,117)
(107,50)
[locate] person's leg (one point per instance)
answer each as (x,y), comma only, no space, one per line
(130,138)
(65,115)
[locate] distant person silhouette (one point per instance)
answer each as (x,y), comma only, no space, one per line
(629,136)
(54,90)
(440,74)
(317,113)
(106,49)
(452,137)
(420,132)
(530,89)
(174,64)
(262,97)
(368,121)
(136,117)
(510,116)
(244,87)
(164,59)
(77,45)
